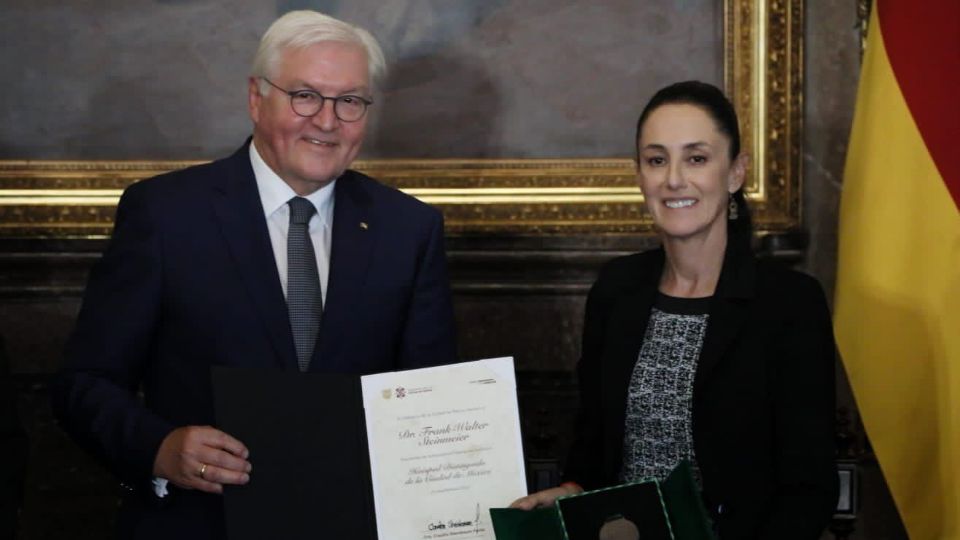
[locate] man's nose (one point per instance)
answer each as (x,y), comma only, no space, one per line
(326,118)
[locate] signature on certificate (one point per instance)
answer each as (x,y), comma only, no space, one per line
(459,524)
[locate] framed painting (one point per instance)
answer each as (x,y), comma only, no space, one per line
(519,147)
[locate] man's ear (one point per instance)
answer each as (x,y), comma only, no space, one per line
(254,98)
(738,172)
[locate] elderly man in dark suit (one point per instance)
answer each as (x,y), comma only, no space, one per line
(275,257)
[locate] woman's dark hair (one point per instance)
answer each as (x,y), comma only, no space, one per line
(711,100)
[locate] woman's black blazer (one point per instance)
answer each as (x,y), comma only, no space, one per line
(763,397)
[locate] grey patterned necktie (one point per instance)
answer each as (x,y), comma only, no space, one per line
(304,300)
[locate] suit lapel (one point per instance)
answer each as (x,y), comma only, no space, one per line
(237,205)
(629,319)
(354,231)
(728,312)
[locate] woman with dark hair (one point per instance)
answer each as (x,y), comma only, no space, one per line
(698,351)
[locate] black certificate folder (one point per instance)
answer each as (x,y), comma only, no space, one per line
(307,442)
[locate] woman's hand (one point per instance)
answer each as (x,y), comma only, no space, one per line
(545,498)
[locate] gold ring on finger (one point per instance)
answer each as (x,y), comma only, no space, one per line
(203,469)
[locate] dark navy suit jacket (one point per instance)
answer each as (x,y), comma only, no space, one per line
(189,282)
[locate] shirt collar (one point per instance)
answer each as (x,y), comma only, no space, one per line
(274,192)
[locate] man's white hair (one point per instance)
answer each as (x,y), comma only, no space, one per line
(300,29)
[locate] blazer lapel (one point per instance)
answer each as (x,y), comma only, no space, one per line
(728,312)
(237,205)
(629,319)
(354,231)
(632,316)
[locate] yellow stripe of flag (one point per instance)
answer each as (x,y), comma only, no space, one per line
(897,314)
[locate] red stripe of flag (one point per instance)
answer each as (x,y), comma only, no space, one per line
(923,44)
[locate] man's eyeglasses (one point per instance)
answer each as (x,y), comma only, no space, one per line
(308,103)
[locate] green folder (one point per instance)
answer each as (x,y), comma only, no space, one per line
(678,504)
(681,496)
(514,524)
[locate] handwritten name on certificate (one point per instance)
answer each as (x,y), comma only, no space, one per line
(445,447)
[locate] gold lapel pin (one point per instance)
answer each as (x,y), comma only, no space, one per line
(363,225)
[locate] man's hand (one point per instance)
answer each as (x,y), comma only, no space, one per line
(545,498)
(202,457)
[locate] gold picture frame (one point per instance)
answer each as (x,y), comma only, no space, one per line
(763,73)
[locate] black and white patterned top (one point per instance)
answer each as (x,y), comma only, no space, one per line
(658,430)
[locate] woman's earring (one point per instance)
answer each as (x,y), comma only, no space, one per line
(733,211)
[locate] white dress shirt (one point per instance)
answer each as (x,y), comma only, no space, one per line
(274,194)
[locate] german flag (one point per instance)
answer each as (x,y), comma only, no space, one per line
(897,315)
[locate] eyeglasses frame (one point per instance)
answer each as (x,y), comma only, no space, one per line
(323,99)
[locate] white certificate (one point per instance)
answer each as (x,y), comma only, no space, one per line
(444,448)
